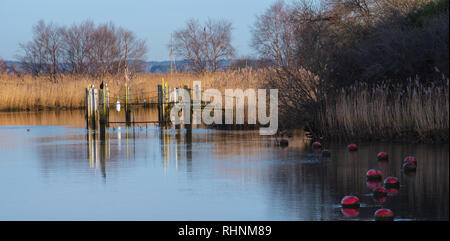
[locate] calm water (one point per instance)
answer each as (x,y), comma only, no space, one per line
(58,170)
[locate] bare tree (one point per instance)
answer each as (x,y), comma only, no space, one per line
(273,34)
(42,55)
(78,45)
(82,49)
(204,45)
(131,52)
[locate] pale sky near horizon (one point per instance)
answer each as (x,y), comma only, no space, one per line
(151,20)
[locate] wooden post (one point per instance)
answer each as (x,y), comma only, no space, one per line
(127,107)
(95,106)
(87,106)
(104,106)
(160,105)
(189,126)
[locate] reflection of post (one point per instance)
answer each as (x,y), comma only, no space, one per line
(188,140)
(177,148)
(98,149)
(128,151)
(163,146)
(103,149)
(91,147)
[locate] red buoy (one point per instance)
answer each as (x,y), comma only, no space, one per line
(350,212)
(350,202)
(316,145)
(380,200)
(380,192)
(391,182)
(382,156)
(373,174)
(373,184)
(352,147)
(284,142)
(392,191)
(409,166)
(410,159)
(326,153)
(384,214)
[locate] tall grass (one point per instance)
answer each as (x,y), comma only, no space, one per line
(417,112)
(29,93)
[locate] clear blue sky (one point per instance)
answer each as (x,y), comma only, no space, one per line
(151,20)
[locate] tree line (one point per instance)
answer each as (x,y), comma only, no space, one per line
(83,48)
(321,48)
(339,41)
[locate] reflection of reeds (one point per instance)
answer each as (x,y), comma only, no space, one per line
(386,112)
(28,93)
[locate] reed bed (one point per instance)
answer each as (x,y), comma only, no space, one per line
(415,112)
(418,112)
(29,93)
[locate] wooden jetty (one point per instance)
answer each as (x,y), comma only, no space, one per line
(98,106)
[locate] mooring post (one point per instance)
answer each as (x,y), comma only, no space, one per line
(91,108)
(160,106)
(96,108)
(104,106)
(107,104)
(189,126)
(165,101)
(87,107)
(127,107)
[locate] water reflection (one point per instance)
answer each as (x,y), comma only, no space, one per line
(152,173)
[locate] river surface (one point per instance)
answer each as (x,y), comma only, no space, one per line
(53,168)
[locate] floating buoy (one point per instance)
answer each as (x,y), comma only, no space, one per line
(380,192)
(392,191)
(410,159)
(350,202)
(326,153)
(409,172)
(373,174)
(352,147)
(384,214)
(373,184)
(382,164)
(391,182)
(382,156)
(350,212)
(284,142)
(409,167)
(380,200)
(317,145)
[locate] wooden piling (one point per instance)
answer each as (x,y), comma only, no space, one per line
(160,105)
(92,102)
(104,106)
(127,105)
(189,126)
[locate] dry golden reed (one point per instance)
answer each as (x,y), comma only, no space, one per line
(419,112)
(29,93)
